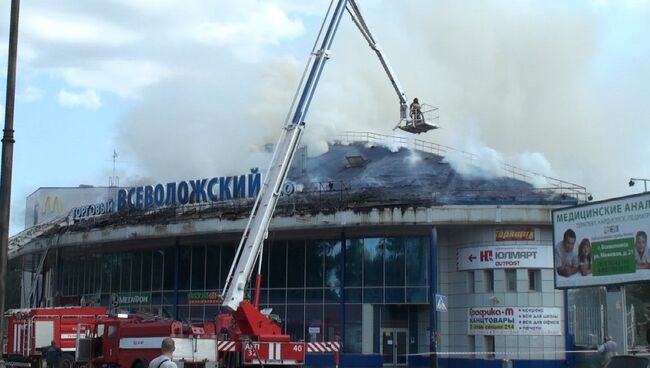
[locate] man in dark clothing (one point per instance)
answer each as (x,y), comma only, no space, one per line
(53,355)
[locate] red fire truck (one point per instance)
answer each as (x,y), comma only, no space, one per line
(30,331)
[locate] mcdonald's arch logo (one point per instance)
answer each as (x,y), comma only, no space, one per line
(52,204)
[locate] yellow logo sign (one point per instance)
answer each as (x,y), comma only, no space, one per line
(52,204)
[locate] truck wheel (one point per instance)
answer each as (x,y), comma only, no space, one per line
(67,361)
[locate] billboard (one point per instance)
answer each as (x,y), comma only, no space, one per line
(514,321)
(504,256)
(602,243)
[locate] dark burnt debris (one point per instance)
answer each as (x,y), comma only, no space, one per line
(328,183)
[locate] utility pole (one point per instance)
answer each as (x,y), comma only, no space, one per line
(7,161)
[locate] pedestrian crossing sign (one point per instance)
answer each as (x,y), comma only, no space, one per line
(441,303)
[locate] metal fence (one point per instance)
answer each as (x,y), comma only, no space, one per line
(588,325)
(557,186)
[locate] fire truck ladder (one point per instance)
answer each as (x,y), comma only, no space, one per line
(250,246)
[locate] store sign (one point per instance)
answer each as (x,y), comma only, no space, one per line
(92,210)
(611,239)
(514,321)
(515,234)
(190,191)
(127,299)
(204,297)
(511,256)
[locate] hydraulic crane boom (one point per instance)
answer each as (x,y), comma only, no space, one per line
(249,248)
(258,223)
(353,8)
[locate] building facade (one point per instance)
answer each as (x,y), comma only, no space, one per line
(395,260)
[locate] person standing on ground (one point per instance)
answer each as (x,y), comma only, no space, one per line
(166,354)
(646,323)
(608,348)
(53,355)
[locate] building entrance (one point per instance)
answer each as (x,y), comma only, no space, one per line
(394,346)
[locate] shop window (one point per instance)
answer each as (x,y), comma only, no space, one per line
(471,342)
(417,256)
(296,255)
(511,280)
(198,268)
(534,280)
(394,261)
(278,265)
(213,265)
(354,262)
(489,280)
(373,263)
(489,346)
(470,282)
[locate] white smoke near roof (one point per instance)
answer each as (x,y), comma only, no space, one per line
(474,159)
(531,73)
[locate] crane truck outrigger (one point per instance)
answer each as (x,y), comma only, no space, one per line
(258,339)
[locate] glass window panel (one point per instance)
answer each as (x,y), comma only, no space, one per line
(353,331)
(277,296)
(511,279)
(373,263)
(115,273)
(197,313)
(278,265)
(331,322)
(106,273)
(146,271)
(416,295)
(314,295)
(184,313)
(394,295)
(169,261)
(184,268)
(136,272)
(313,319)
(212,269)
(353,262)
(333,295)
(125,270)
(489,280)
(353,295)
(296,296)
(211,311)
(198,268)
(157,270)
(314,264)
(417,256)
(394,261)
(296,254)
(295,322)
(227,256)
(373,295)
(333,260)
(98,275)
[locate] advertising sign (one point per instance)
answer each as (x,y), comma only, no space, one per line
(602,243)
(504,256)
(514,321)
(133,299)
(515,234)
(204,297)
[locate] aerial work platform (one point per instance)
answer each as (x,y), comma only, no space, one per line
(423,121)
